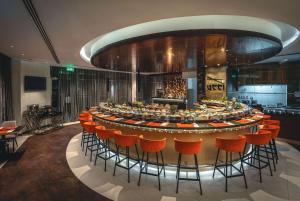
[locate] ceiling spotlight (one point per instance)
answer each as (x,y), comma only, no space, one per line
(11,46)
(218,64)
(22,54)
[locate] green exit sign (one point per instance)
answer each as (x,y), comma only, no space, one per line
(70,67)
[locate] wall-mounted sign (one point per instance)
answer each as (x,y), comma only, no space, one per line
(215,82)
(70,67)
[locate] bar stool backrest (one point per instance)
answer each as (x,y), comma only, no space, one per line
(262,131)
(258,139)
(98,130)
(85,115)
(273,129)
(188,147)
(231,145)
(105,134)
(82,120)
(149,145)
(125,140)
(89,126)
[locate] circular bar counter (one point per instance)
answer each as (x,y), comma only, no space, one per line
(184,131)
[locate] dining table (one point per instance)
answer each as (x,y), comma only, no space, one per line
(4,131)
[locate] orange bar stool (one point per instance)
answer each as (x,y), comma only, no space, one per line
(230,146)
(269,148)
(89,127)
(152,146)
(188,148)
(264,118)
(85,114)
(125,141)
(260,140)
(104,136)
(274,129)
(84,136)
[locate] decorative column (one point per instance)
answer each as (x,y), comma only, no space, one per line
(133,74)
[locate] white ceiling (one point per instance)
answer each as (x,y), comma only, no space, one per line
(72,23)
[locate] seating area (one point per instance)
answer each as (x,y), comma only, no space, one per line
(142,100)
(9,132)
(261,146)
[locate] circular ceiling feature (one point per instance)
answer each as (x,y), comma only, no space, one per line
(214,39)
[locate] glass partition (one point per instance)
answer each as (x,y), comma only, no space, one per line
(268,85)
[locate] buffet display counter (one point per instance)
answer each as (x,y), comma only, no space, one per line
(180,128)
(181,103)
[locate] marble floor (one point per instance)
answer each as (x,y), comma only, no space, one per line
(283,185)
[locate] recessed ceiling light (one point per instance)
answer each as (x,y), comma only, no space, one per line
(11,46)
(22,54)
(218,64)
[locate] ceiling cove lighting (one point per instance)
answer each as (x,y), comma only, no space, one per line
(286,33)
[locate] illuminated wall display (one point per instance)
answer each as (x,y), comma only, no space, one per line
(215,82)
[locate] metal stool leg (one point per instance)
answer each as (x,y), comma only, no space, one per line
(157,164)
(275,148)
(137,153)
(163,163)
(141,168)
(117,158)
(265,147)
(273,157)
(105,153)
(128,170)
(98,146)
(147,162)
(242,167)
(226,171)
(198,173)
(178,172)
(216,163)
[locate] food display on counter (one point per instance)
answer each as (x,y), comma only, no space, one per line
(204,111)
(205,115)
(207,120)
